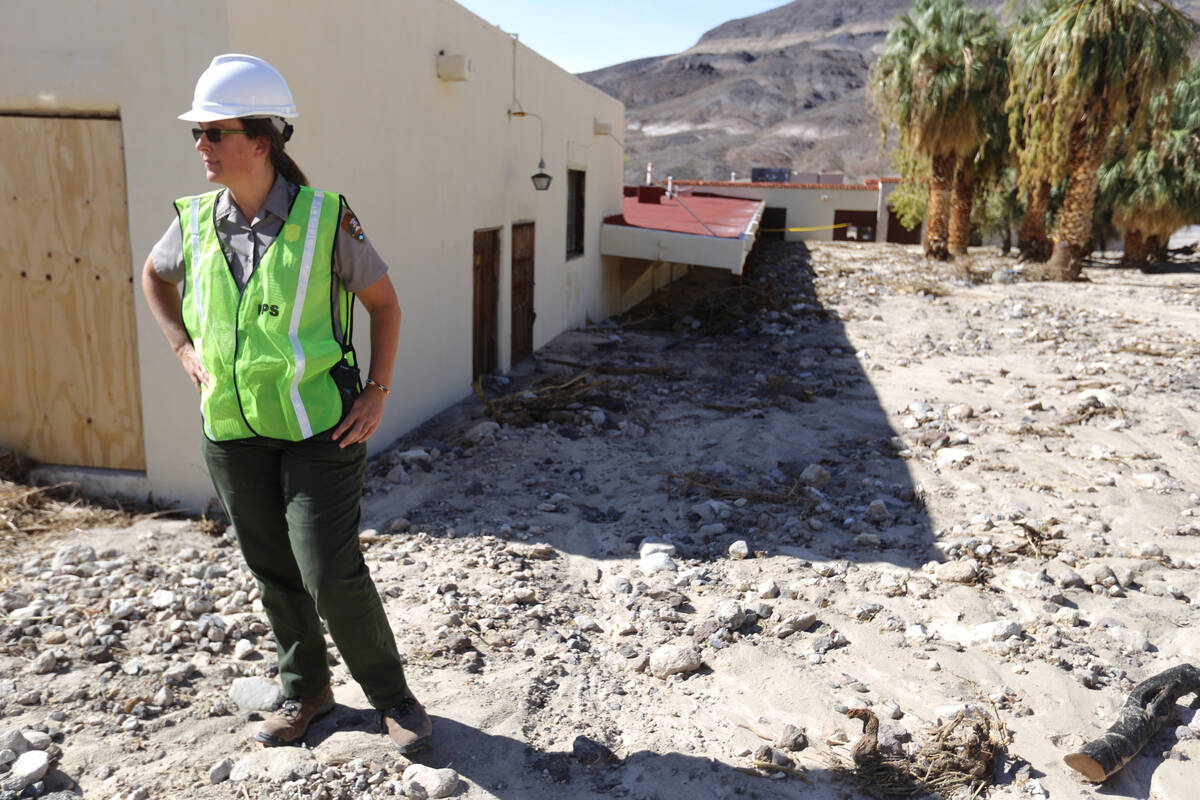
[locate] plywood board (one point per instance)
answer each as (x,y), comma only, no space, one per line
(523,238)
(68,354)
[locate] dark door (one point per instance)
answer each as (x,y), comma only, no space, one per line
(856,226)
(487,281)
(898,233)
(522,291)
(774,223)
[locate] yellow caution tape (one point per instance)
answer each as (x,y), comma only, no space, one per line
(813,228)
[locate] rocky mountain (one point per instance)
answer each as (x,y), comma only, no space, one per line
(784,88)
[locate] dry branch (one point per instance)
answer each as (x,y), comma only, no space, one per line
(793,495)
(1146,709)
(528,406)
(604,369)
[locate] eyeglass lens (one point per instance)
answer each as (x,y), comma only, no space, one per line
(213,134)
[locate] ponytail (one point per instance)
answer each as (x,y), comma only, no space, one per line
(283,163)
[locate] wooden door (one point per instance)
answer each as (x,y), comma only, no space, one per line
(774,223)
(898,233)
(487,291)
(859,226)
(523,314)
(68,345)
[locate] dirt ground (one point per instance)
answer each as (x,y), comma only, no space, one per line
(856,481)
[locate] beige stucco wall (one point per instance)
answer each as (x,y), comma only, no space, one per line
(424,163)
(806,207)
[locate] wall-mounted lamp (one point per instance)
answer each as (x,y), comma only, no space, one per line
(541,180)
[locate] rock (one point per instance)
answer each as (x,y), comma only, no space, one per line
(993,631)
(177,674)
(954,456)
(29,767)
(590,752)
(272,762)
(1097,574)
(13,739)
(38,740)
(421,782)
(1129,639)
(416,457)
(46,662)
(244,649)
(483,433)
(956,572)
(163,598)
(656,562)
(729,614)
(768,589)
(399,476)
(72,555)
(256,694)
(220,771)
(792,738)
(815,475)
(711,529)
(670,660)
(878,512)
(960,412)
(793,624)
(739,549)
(122,608)
(650,546)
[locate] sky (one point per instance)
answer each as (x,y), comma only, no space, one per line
(582,36)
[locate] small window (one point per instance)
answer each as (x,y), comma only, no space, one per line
(575,195)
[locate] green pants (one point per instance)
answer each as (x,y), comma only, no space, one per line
(296,508)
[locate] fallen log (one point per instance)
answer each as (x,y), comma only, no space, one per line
(1146,709)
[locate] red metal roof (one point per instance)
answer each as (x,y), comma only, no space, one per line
(854,187)
(727,217)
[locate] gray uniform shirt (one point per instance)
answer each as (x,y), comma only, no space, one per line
(355,260)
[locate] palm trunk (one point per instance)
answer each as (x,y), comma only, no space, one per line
(960,209)
(936,230)
(1073,232)
(1158,248)
(1032,242)
(1137,250)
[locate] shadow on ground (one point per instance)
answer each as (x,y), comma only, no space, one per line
(760,402)
(489,760)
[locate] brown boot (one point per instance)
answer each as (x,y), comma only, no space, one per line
(291,720)
(407,724)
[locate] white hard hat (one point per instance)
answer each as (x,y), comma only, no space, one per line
(236,85)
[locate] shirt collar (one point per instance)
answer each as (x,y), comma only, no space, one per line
(278,202)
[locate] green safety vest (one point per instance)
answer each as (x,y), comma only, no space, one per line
(269,347)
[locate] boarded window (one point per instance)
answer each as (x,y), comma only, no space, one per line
(487,280)
(522,290)
(575,195)
(68,346)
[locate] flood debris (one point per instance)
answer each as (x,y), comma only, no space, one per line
(958,755)
(1149,705)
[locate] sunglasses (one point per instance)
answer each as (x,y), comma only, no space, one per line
(213,134)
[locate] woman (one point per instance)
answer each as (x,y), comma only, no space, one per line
(269,270)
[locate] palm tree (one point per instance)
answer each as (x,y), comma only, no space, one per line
(987,165)
(1154,190)
(1033,241)
(927,82)
(1094,66)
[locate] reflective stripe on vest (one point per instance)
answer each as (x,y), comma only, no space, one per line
(269,347)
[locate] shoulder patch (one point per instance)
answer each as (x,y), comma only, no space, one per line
(350,225)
